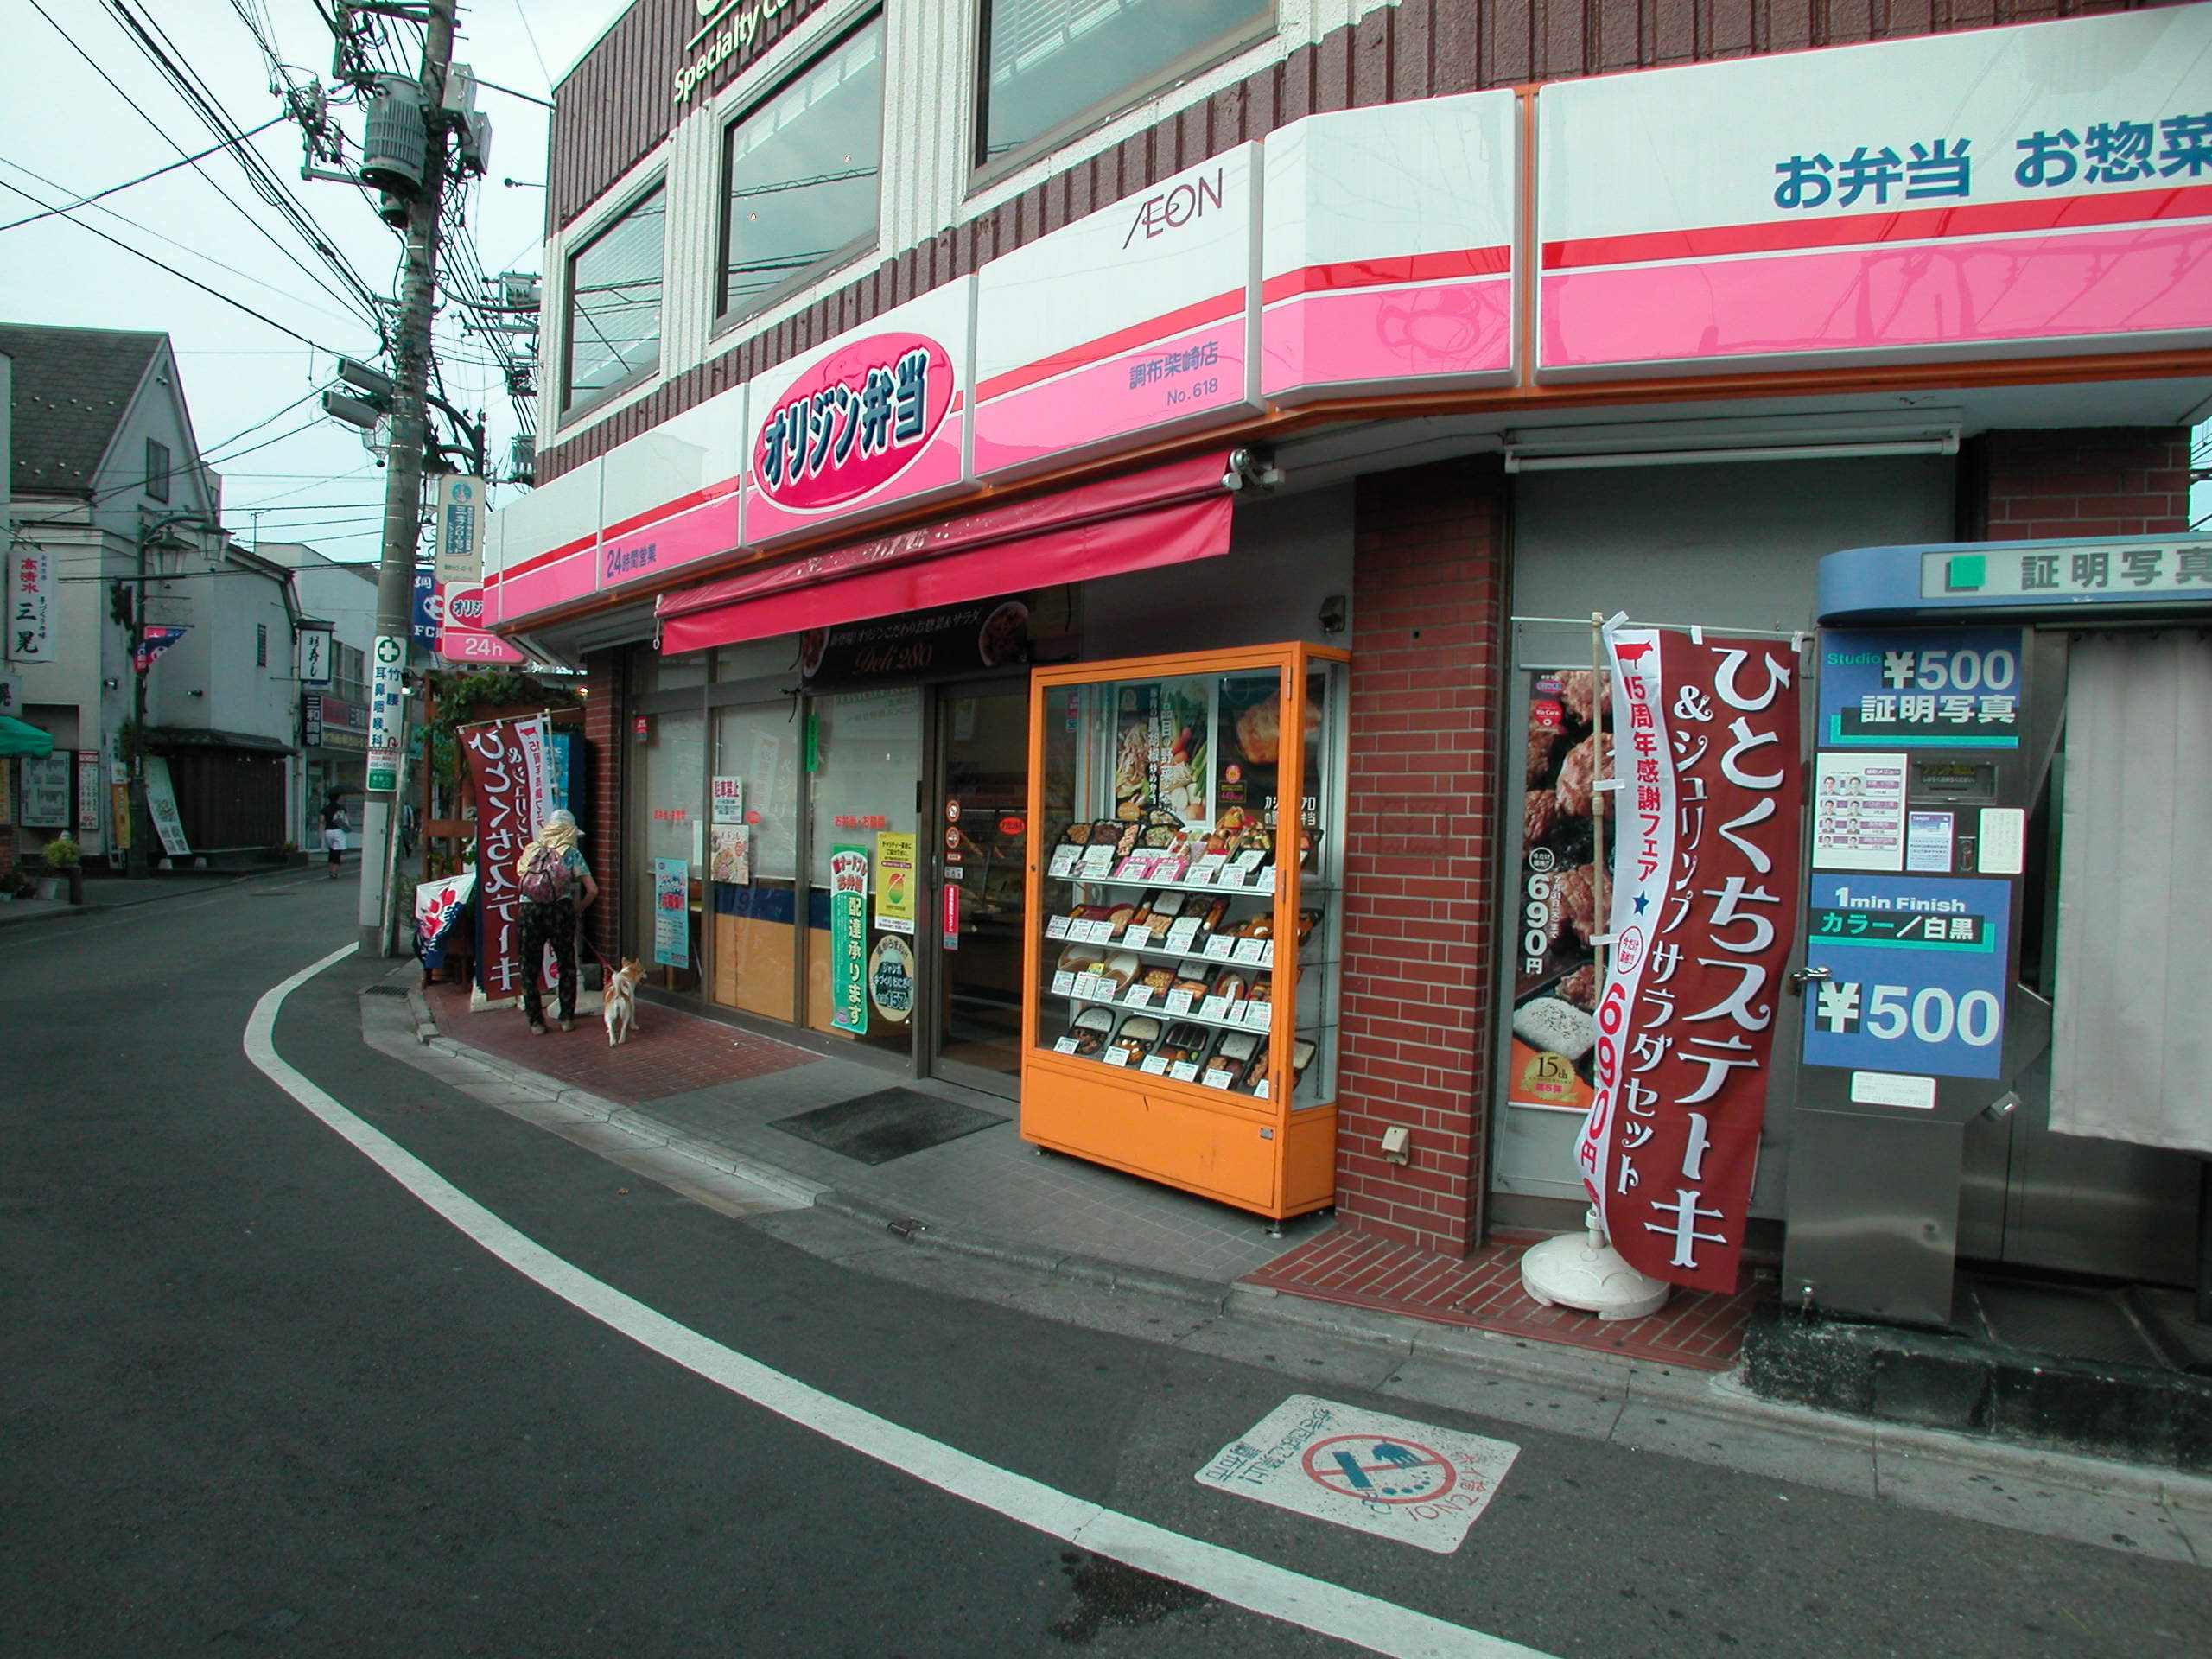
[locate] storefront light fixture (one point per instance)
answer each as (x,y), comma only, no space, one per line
(1251,469)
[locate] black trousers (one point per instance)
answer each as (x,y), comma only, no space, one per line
(553,923)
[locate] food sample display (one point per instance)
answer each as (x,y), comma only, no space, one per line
(1183,1010)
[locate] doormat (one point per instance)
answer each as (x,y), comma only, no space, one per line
(887,1124)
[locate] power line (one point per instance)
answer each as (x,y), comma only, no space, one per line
(32,219)
(230,134)
(184,247)
(239,304)
(201,100)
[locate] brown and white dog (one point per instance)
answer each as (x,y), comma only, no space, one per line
(620,1009)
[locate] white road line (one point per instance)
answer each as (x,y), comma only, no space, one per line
(1364,1621)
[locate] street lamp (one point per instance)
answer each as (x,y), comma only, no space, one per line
(134,858)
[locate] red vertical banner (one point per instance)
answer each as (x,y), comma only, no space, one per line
(1705,804)
(503,760)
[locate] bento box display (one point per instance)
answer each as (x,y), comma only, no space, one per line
(1183,1006)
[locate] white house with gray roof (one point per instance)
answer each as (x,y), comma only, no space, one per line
(110,499)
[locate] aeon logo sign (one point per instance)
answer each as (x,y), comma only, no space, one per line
(1170,210)
(853,422)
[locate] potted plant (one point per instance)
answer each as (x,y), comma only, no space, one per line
(66,859)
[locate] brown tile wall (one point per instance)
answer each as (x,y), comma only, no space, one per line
(1420,49)
(1420,852)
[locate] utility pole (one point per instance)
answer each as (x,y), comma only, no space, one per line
(402,495)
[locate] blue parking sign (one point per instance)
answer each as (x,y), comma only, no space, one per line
(1918,970)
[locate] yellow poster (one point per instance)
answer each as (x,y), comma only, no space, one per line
(894,882)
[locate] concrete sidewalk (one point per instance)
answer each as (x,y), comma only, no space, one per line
(692,1102)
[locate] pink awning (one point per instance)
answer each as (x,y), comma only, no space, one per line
(1167,515)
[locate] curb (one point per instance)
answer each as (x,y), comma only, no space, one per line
(1091,1270)
(1720,1397)
(631,1120)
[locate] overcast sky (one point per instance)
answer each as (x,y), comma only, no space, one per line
(65,132)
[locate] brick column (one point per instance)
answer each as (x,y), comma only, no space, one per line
(605,682)
(2108,481)
(1420,852)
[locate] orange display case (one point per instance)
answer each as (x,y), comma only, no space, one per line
(1183,964)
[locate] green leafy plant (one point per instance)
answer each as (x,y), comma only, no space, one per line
(62,852)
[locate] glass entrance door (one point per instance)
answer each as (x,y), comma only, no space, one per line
(981,779)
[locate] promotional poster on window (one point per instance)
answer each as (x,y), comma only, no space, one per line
(1556,983)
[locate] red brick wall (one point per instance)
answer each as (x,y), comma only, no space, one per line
(1428,622)
(2112,480)
(603,698)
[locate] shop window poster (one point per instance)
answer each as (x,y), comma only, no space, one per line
(891,978)
(732,865)
(671,912)
(1555,982)
(1159,753)
(44,788)
(849,939)
(894,882)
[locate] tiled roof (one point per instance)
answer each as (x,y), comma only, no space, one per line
(72,387)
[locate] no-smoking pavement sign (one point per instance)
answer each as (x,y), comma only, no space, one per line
(1420,1485)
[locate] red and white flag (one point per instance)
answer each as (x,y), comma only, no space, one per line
(1704,813)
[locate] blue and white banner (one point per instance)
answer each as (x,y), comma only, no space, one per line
(438,905)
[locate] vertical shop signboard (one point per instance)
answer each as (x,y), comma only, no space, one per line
(849,939)
(30,605)
(894,882)
(534,737)
(506,797)
(88,797)
(386,711)
(671,912)
(161,807)
(1705,899)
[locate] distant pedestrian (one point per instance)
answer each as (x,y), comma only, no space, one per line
(551,874)
(335,823)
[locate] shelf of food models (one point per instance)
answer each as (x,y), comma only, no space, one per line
(1179,1048)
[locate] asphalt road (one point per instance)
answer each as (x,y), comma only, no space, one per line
(256,1392)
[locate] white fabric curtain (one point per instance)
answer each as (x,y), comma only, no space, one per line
(2131,1050)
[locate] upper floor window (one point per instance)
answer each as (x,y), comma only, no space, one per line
(803,172)
(614,303)
(157,470)
(261,644)
(1048,65)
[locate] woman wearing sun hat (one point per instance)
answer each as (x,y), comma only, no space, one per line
(550,874)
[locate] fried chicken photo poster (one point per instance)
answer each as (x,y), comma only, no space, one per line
(1555,987)
(1704,903)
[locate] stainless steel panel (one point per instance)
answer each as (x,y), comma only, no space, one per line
(2097,1206)
(1874,1216)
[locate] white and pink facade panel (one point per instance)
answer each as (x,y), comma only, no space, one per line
(2009,192)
